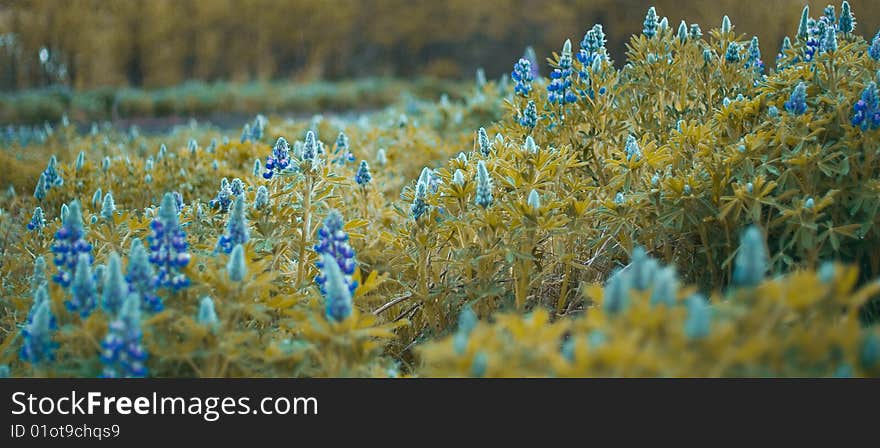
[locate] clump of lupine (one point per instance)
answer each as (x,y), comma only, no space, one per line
(671,215)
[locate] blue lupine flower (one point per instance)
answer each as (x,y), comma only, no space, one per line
(483,140)
(262,198)
(829,40)
(237,231)
(236,187)
(560,85)
(38,220)
(592,45)
(363,176)
(108,207)
(430,178)
(245,133)
(522,75)
(829,13)
(874,49)
(458,177)
(207,314)
(38,346)
(178,201)
(632,149)
(695,33)
(42,188)
(192,146)
(419,206)
(83,289)
(619,199)
(333,243)
(258,128)
(224,196)
(534,200)
(732,53)
(483,196)
(866,111)
(337,296)
(69,244)
(258,168)
(529,116)
(772,112)
(467,321)
(168,247)
(754,61)
(53,179)
(642,269)
(115,289)
(529,55)
(163,150)
(39,277)
(529,146)
(97,198)
(236,267)
(699,318)
(343,150)
(847,23)
(665,287)
(751,260)
(682,32)
(141,277)
(80,161)
(381,157)
(616,293)
(650,25)
(310,147)
(725,25)
(122,351)
(797,103)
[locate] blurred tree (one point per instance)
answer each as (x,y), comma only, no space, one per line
(164,42)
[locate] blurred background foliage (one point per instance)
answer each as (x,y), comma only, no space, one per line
(158,43)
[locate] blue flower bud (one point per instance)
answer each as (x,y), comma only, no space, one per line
(483,196)
(751,260)
(207,315)
(236,267)
(697,325)
(115,288)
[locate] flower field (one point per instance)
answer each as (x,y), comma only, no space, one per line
(691,210)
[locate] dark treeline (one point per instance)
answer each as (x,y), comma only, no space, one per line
(156,43)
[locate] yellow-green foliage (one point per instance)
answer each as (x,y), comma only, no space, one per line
(718,152)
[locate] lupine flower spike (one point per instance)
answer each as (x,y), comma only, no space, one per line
(337,296)
(237,231)
(483,196)
(333,242)
(141,277)
(168,247)
(69,244)
(750,263)
(122,351)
